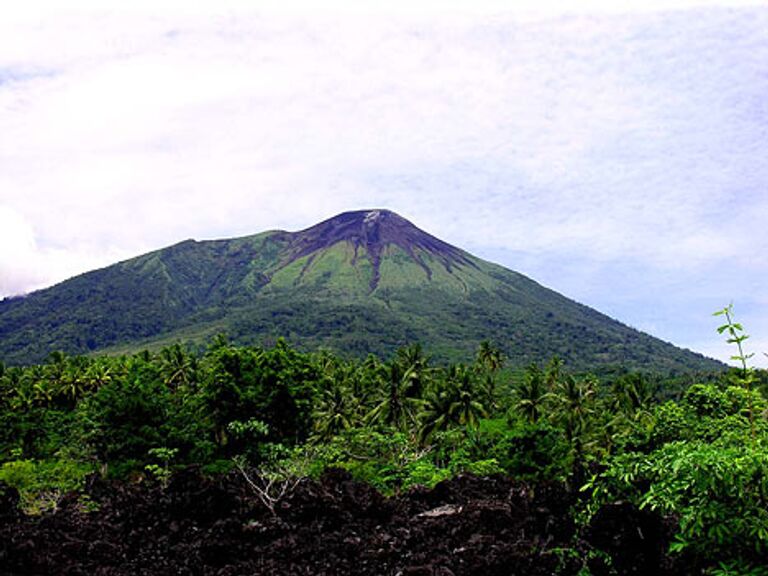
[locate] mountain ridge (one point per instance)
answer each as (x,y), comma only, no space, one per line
(366,281)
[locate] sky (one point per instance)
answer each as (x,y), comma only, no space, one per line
(616,152)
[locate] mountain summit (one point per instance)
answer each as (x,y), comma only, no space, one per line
(360,282)
(370,233)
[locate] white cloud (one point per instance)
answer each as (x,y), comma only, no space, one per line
(624,133)
(201,8)
(564,120)
(25,266)
(17,243)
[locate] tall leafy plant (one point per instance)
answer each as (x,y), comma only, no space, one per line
(746,377)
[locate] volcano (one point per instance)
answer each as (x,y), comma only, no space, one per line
(371,233)
(361,282)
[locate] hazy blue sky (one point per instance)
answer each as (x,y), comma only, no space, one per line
(615,153)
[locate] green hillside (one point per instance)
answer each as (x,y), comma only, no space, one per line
(360,282)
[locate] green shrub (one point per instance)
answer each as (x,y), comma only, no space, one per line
(423,473)
(533,452)
(41,484)
(717,491)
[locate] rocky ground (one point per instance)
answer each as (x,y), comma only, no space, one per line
(198,526)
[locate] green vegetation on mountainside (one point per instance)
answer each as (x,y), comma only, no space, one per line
(354,284)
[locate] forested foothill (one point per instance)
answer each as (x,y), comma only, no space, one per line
(249,460)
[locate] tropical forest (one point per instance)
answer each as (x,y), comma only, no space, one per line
(232,459)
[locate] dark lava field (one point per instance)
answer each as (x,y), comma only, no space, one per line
(202,526)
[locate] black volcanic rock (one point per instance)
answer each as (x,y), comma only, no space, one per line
(212,526)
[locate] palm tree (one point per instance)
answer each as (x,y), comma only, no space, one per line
(532,395)
(491,359)
(632,396)
(490,356)
(337,403)
(436,415)
(574,404)
(400,403)
(335,411)
(65,378)
(628,406)
(553,373)
(574,408)
(466,408)
(98,374)
(412,358)
(402,382)
(74,381)
(55,372)
(7,385)
(27,388)
(452,401)
(43,392)
(177,366)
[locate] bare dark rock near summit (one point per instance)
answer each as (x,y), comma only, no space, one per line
(370,232)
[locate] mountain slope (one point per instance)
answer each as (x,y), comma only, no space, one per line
(366,281)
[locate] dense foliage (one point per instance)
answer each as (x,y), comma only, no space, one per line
(700,459)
